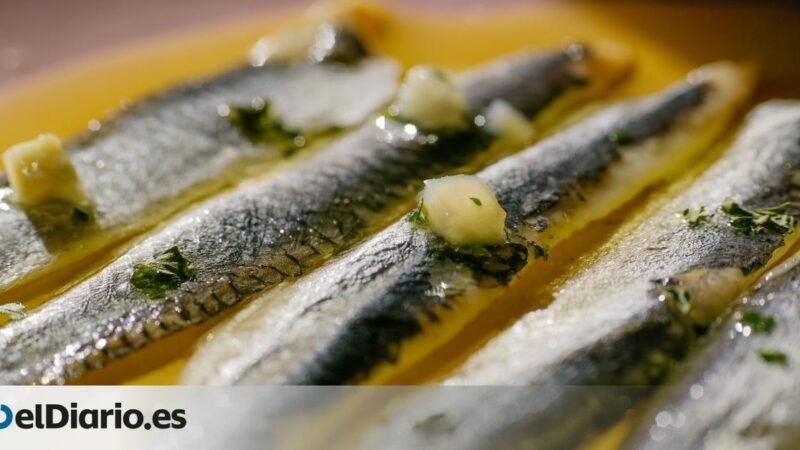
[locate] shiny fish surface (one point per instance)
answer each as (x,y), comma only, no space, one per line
(359,314)
(741,390)
(165,151)
(253,238)
(613,323)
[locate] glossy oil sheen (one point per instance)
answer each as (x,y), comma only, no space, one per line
(668,40)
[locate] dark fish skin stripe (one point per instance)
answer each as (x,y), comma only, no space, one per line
(240,244)
(528,98)
(394,313)
(606,327)
(389,280)
(726,394)
(165,151)
(525,192)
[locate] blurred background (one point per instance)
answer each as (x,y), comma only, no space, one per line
(87,56)
(36,34)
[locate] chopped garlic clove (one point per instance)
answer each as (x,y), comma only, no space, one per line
(287,46)
(39,170)
(708,303)
(507,123)
(430,99)
(364,20)
(464,211)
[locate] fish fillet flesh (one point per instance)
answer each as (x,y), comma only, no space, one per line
(404,292)
(163,152)
(624,319)
(250,239)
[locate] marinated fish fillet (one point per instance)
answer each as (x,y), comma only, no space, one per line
(163,152)
(250,239)
(404,292)
(629,314)
(741,390)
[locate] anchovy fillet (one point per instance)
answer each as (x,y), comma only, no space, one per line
(253,238)
(615,321)
(163,152)
(361,313)
(741,389)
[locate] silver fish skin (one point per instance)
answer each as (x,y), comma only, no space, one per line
(612,324)
(255,237)
(728,396)
(163,152)
(341,323)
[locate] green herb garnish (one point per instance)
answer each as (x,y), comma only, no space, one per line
(439,74)
(678,298)
(436,423)
(541,251)
(757,322)
(14,311)
(476,200)
(258,124)
(758,221)
(417,217)
(81,215)
(695,218)
(475,250)
(773,357)
(620,137)
(163,274)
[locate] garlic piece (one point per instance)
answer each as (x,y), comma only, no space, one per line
(282,47)
(430,99)
(39,170)
(464,211)
(507,123)
(711,291)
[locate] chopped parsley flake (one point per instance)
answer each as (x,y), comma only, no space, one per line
(476,200)
(757,322)
(258,124)
(695,218)
(476,251)
(81,215)
(439,74)
(773,357)
(417,217)
(14,311)
(679,298)
(541,251)
(758,221)
(163,274)
(620,137)
(436,423)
